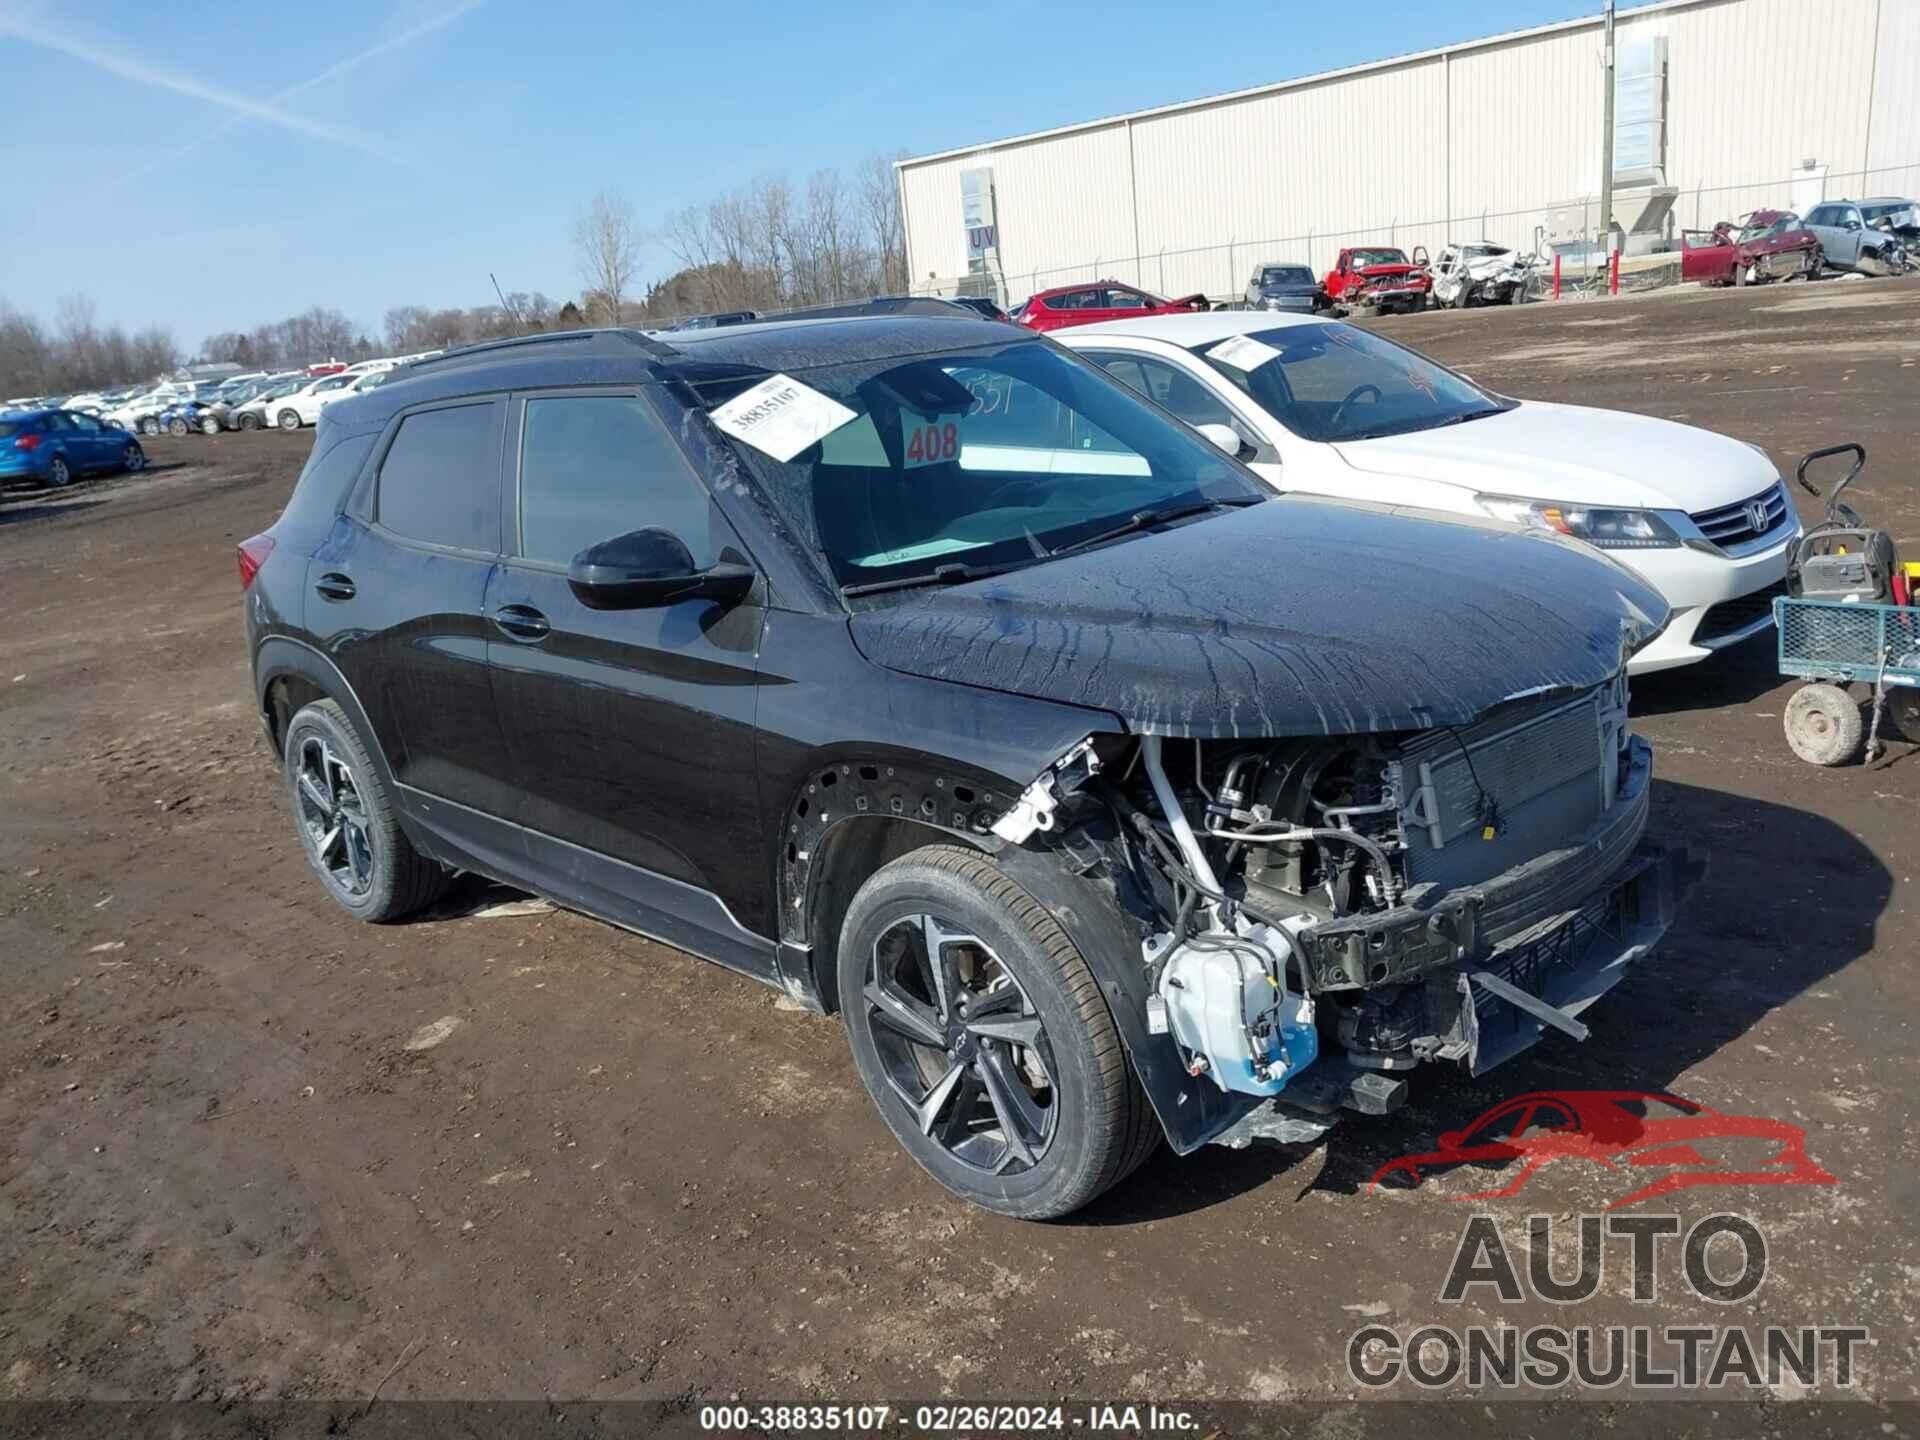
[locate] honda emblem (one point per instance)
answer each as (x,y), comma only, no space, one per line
(1757,516)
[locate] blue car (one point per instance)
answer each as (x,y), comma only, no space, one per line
(53,447)
(189,416)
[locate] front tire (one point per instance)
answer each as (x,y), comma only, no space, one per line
(176,426)
(210,425)
(249,421)
(133,459)
(982,1036)
(289,419)
(346,821)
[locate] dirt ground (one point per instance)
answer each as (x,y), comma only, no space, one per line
(225,1174)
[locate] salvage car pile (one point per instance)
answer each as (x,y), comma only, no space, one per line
(1869,237)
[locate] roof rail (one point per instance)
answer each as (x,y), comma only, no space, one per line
(877,305)
(607,336)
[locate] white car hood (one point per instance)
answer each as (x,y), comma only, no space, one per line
(1580,455)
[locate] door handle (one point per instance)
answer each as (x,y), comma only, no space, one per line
(335,586)
(522,622)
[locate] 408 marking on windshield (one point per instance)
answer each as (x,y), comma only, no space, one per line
(934,444)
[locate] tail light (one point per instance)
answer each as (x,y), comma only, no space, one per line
(253,554)
(28,442)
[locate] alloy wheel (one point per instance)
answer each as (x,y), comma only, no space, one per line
(58,474)
(961,1044)
(134,460)
(333,816)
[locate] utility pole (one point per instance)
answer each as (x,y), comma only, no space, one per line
(1606,138)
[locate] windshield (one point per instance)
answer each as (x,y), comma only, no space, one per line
(981,459)
(1361,259)
(1903,213)
(1333,382)
(1286,275)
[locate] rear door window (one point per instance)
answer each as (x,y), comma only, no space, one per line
(596,466)
(440,479)
(1166,386)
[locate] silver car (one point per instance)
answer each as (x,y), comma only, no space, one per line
(1849,242)
(1283,286)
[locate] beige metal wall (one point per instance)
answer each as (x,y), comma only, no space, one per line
(1418,152)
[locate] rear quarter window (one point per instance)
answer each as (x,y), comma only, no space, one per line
(330,470)
(440,478)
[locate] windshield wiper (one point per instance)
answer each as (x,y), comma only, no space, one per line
(939,575)
(1145,519)
(1472,415)
(1414,427)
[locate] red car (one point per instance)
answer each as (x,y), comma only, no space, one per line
(1381,276)
(1766,245)
(1626,1131)
(1103,300)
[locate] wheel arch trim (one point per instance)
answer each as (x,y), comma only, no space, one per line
(281,657)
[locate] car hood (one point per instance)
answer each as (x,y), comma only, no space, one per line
(1298,616)
(1377,271)
(1576,454)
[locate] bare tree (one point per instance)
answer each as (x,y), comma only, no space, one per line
(606,246)
(77,353)
(880,209)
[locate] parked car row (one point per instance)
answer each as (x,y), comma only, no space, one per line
(287,400)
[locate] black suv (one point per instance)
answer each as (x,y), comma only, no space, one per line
(920,669)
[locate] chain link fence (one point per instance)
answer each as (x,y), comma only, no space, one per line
(1220,271)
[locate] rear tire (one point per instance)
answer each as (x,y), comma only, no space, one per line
(59,473)
(1094,1125)
(1823,724)
(346,822)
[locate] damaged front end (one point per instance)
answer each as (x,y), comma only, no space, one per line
(1309,918)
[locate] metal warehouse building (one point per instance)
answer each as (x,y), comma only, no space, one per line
(1721,106)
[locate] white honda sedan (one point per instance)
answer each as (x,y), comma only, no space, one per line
(1319,406)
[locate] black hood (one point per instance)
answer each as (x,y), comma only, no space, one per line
(1292,617)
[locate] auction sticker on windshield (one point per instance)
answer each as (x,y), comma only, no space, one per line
(781,417)
(1243,352)
(933,443)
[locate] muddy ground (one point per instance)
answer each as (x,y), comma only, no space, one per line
(627,1173)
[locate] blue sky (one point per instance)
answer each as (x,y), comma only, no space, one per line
(213,170)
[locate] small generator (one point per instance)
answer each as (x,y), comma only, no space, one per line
(1842,557)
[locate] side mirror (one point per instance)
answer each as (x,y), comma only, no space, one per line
(1420,255)
(1222,437)
(648,568)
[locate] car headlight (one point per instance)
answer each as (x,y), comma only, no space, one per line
(1607,529)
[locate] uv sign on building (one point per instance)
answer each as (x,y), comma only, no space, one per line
(1722,106)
